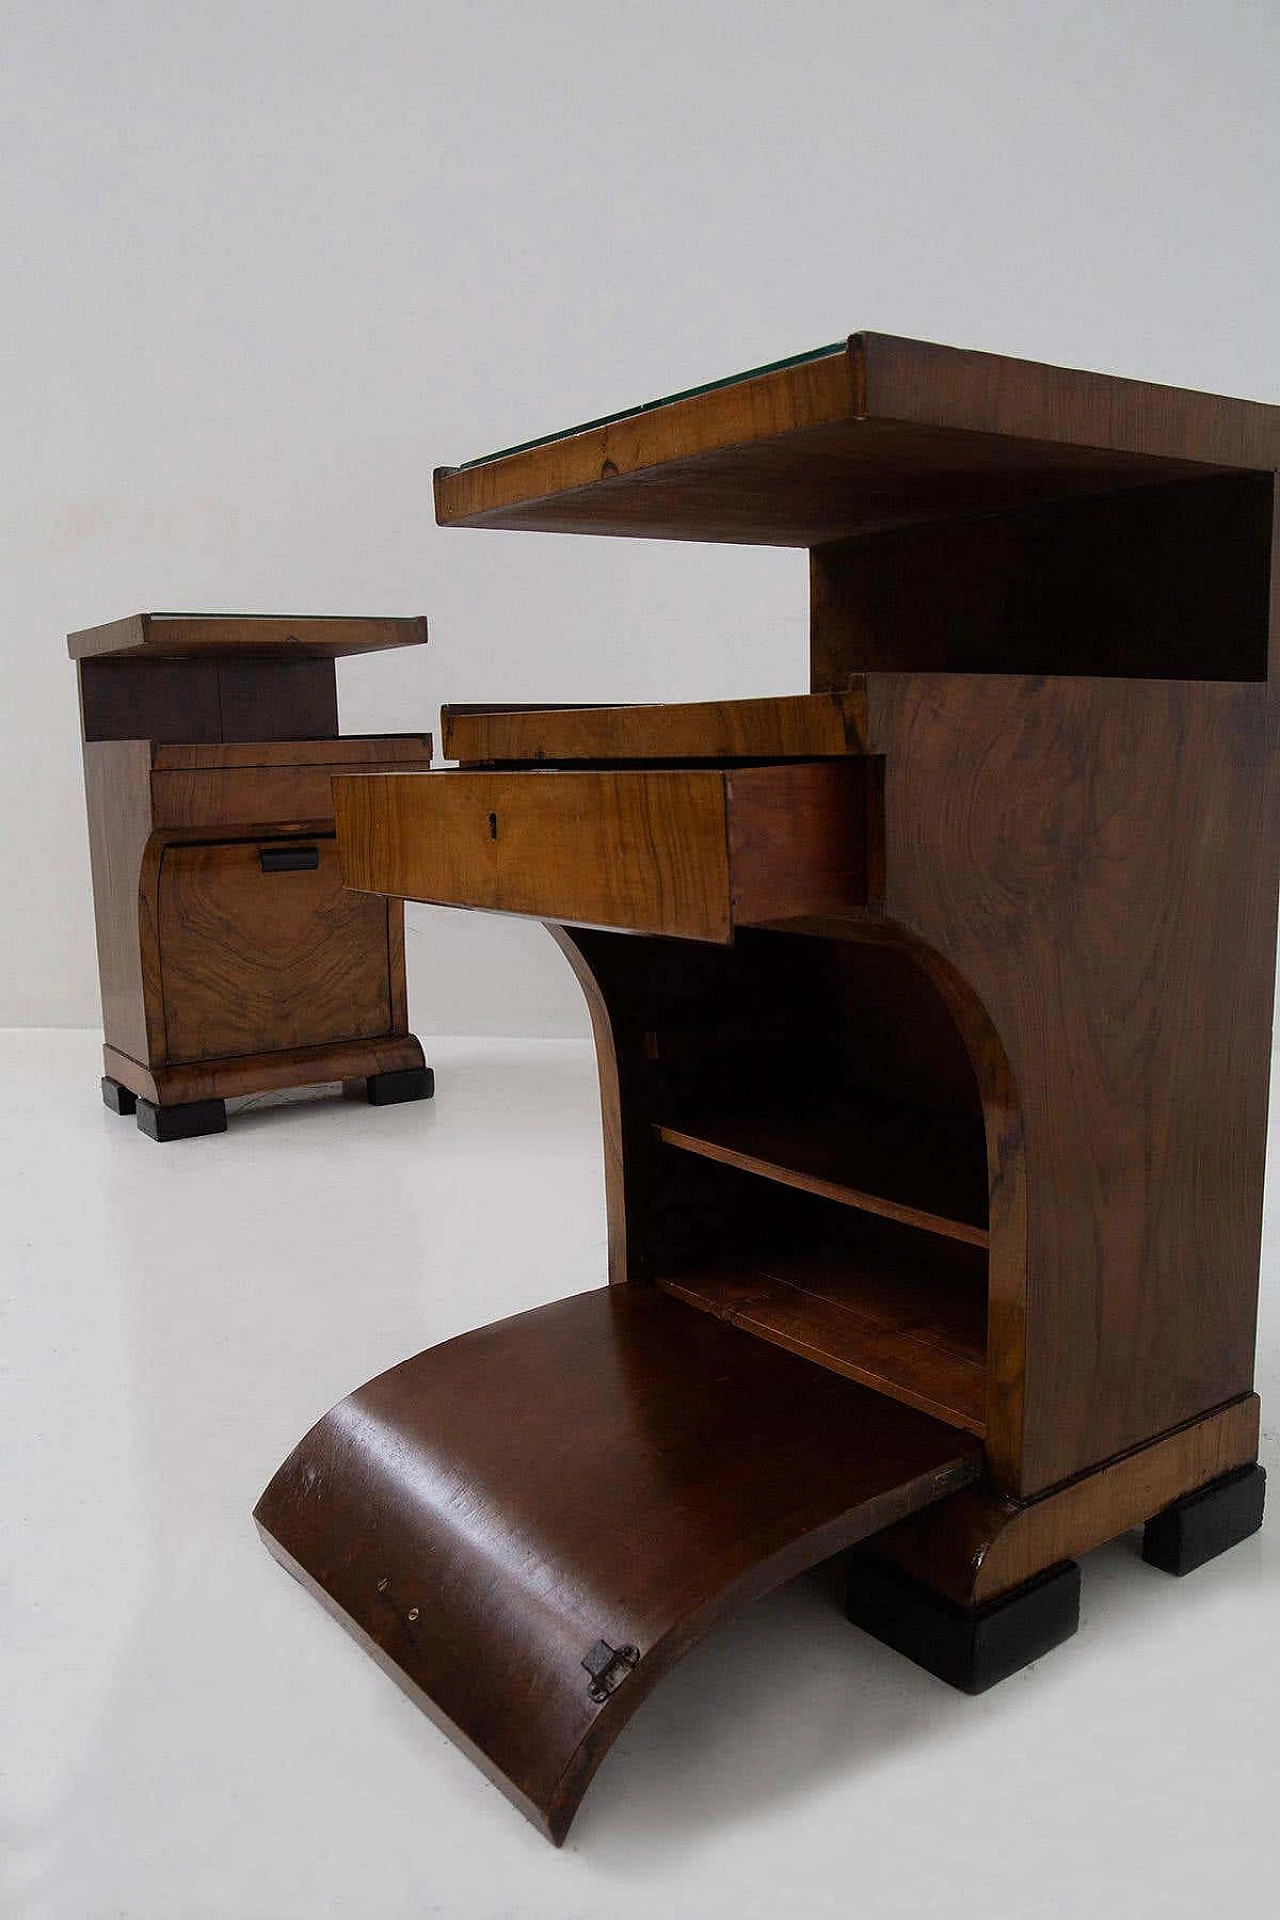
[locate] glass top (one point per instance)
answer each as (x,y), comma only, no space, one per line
(667,400)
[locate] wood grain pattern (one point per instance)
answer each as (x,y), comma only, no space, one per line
(1075,851)
(678,852)
(914,1329)
(800,726)
(250,796)
(349,750)
(252,962)
(172,635)
(889,432)
(570,1430)
(959,390)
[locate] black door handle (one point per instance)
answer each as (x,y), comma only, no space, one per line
(289,859)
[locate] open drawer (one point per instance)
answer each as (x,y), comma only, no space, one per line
(528,1525)
(683,851)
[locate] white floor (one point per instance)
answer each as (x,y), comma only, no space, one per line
(184,1735)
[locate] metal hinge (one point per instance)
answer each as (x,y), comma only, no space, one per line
(608,1667)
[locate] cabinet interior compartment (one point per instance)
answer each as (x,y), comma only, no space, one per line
(1169,581)
(812,1161)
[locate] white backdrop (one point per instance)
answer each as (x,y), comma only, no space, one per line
(265,265)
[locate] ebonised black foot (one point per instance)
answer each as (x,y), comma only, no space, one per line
(1207,1522)
(968,1648)
(118,1097)
(389,1089)
(183,1122)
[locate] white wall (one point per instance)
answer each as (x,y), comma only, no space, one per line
(265,265)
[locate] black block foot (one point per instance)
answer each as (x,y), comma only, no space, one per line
(389,1089)
(968,1648)
(1207,1522)
(184,1122)
(118,1097)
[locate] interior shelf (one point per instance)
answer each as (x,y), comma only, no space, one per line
(924,1171)
(912,1325)
(812,1167)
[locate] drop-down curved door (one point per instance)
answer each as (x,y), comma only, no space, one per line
(528,1525)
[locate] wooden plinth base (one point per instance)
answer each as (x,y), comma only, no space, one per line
(969,1647)
(394,1061)
(186,1122)
(119,1098)
(1198,1529)
(984,1545)
(392,1089)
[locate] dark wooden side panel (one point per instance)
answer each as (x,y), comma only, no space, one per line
(203,699)
(1171,582)
(1098,861)
(615,1467)
(278,700)
(117,778)
(150,700)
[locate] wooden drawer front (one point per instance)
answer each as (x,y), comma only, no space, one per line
(684,852)
(266,795)
(254,961)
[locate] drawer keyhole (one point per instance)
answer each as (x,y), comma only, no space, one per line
(493,826)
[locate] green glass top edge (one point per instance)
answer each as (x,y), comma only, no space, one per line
(650,406)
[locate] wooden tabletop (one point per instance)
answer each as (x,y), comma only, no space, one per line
(870,433)
(169,635)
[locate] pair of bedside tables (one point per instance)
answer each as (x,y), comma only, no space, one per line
(933,1016)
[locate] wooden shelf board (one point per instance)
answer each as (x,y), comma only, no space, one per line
(907,1175)
(795,726)
(877,433)
(916,1332)
(167,636)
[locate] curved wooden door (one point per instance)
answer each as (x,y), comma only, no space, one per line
(529,1524)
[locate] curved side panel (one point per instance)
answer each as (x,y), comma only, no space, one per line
(610,1096)
(1007,1185)
(528,1525)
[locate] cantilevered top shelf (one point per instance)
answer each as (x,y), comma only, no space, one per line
(160,636)
(871,433)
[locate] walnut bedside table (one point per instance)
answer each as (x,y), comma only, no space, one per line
(230,957)
(933,1015)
